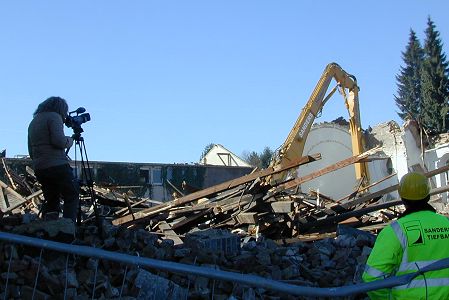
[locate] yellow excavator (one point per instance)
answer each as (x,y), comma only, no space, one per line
(293,147)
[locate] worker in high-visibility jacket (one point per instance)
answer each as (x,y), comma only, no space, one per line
(417,239)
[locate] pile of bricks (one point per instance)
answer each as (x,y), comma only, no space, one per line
(324,263)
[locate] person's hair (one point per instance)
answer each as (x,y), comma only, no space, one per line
(53,104)
(408,201)
(412,206)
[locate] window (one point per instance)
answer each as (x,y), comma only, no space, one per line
(390,168)
(84,174)
(156,175)
(151,175)
(144,176)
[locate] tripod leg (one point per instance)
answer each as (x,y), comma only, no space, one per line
(78,219)
(87,176)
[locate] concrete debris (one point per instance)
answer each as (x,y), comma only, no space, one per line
(328,262)
(214,240)
(48,229)
(151,286)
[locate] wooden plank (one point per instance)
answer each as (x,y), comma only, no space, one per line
(190,219)
(368,197)
(132,205)
(341,164)
(437,171)
(350,220)
(247,218)
(234,206)
(148,213)
(170,234)
(353,194)
(175,188)
(389,189)
(10,198)
(34,195)
(282,206)
(128,204)
(9,175)
(3,201)
(355,213)
(363,211)
(216,204)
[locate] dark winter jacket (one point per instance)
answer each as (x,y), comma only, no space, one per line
(46,141)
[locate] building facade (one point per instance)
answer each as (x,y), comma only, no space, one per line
(151,180)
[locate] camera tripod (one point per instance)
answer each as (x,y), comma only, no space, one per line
(86,175)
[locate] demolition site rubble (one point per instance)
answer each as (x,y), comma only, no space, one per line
(244,226)
(325,263)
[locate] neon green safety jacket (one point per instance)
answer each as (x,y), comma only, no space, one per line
(406,245)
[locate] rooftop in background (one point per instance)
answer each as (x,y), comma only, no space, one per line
(220,156)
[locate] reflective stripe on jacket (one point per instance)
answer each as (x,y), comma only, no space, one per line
(405,246)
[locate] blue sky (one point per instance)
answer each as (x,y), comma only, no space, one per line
(162,79)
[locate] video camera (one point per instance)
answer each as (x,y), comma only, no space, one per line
(76,121)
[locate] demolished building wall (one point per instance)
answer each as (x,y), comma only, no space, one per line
(402,144)
(389,137)
(436,158)
(151,180)
(401,150)
(439,157)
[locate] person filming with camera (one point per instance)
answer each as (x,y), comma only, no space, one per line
(47,146)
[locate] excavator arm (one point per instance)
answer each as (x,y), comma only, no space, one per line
(293,147)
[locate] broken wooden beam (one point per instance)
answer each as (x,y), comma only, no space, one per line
(175,188)
(9,198)
(338,218)
(192,218)
(282,206)
(148,213)
(8,174)
(359,212)
(353,194)
(247,218)
(338,165)
(389,189)
(166,229)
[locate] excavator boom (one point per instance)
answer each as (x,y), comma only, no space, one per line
(293,147)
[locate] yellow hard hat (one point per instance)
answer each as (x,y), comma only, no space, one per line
(414,186)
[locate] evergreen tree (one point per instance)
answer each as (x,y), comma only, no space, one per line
(252,158)
(434,83)
(408,98)
(259,160)
(265,157)
(206,150)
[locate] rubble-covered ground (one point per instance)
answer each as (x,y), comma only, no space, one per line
(329,262)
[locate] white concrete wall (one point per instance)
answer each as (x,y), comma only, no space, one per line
(413,146)
(334,143)
(437,158)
